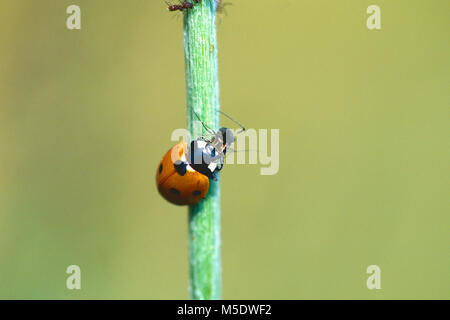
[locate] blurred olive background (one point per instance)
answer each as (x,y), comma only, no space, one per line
(85,117)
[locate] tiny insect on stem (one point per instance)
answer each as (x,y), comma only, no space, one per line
(182,6)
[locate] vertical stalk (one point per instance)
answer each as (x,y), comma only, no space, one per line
(202,85)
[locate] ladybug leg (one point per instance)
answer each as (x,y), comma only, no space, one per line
(219,165)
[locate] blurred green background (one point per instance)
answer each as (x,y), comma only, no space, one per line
(85,117)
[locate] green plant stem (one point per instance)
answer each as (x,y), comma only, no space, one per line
(202,86)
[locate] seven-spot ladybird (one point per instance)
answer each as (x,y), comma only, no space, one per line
(177,181)
(183,174)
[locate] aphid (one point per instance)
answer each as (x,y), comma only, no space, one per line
(174,7)
(207,155)
(187,5)
(183,174)
(184,5)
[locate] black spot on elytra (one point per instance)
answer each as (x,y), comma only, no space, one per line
(180,167)
(175,191)
(160,168)
(196,192)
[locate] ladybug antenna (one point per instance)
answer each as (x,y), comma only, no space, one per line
(240,125)
(203,124)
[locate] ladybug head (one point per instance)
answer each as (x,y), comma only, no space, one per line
(226,136)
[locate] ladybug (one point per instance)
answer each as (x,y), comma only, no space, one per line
(177,181)
(183,175)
